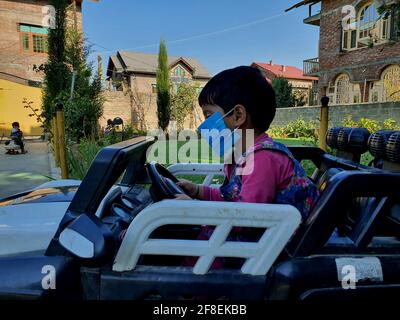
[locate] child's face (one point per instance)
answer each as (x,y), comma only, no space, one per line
(236,119)
(208,110)
(15,127)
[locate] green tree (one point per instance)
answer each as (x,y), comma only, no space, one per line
(85,106)
(57,76)
(183,103)
(67,60)
(284,92)
(163,88)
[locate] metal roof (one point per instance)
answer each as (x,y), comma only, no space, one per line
(139,62)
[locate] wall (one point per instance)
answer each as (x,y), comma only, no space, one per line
(376,111)
(11,107)
(117,104)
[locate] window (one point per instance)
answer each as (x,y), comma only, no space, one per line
(179,72)
(375,91)
(369,28)
(33,39)
(25,42)
(342,89)
(367,21)
(355,93)
(388,87)
(154,88)
(39,43)
(391,83)
(349,38)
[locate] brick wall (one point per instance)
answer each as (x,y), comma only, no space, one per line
(361,64)
(376,111)
(12,60)
(116,104)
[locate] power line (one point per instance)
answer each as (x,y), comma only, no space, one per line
(203,35)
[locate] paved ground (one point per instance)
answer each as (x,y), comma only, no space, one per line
(23,171)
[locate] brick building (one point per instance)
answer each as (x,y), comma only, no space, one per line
(359,50)
(132,91)
(23,38)
(302,84)
(23,49)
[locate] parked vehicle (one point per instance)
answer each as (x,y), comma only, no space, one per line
(355,223)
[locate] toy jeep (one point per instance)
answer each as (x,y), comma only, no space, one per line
(348,248)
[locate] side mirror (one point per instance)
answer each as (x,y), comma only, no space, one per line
(87,239)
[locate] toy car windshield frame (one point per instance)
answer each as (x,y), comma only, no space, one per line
(106,168)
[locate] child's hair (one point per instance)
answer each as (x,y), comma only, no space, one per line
(15,124)
(246,86)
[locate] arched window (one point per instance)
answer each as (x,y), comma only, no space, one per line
(388,87)
(370,28)
(368,17)
(342,89)
(391,83)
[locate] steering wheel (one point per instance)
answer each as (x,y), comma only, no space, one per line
(163,182)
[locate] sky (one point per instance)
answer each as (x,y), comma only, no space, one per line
(219,33)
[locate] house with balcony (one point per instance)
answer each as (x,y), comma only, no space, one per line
(359,49)
(132,89)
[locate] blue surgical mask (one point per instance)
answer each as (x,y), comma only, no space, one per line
(220,138)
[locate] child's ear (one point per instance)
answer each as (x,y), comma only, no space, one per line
(240,115)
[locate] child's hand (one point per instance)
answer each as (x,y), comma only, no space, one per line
(190,188)
(182,197)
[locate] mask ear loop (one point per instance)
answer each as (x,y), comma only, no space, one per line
(225,115)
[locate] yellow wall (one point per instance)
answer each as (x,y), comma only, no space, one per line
(12,109)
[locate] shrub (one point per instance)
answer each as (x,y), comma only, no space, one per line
(390,124)
(277,132)
(371,125)
(349,122)
(80,157)
(300,129)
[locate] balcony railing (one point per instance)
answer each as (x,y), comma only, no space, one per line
(311,67)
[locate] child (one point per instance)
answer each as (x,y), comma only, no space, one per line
(241,98)
(17,135)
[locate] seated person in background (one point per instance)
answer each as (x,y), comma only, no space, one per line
(109,128)
(241,98)
(17,135)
